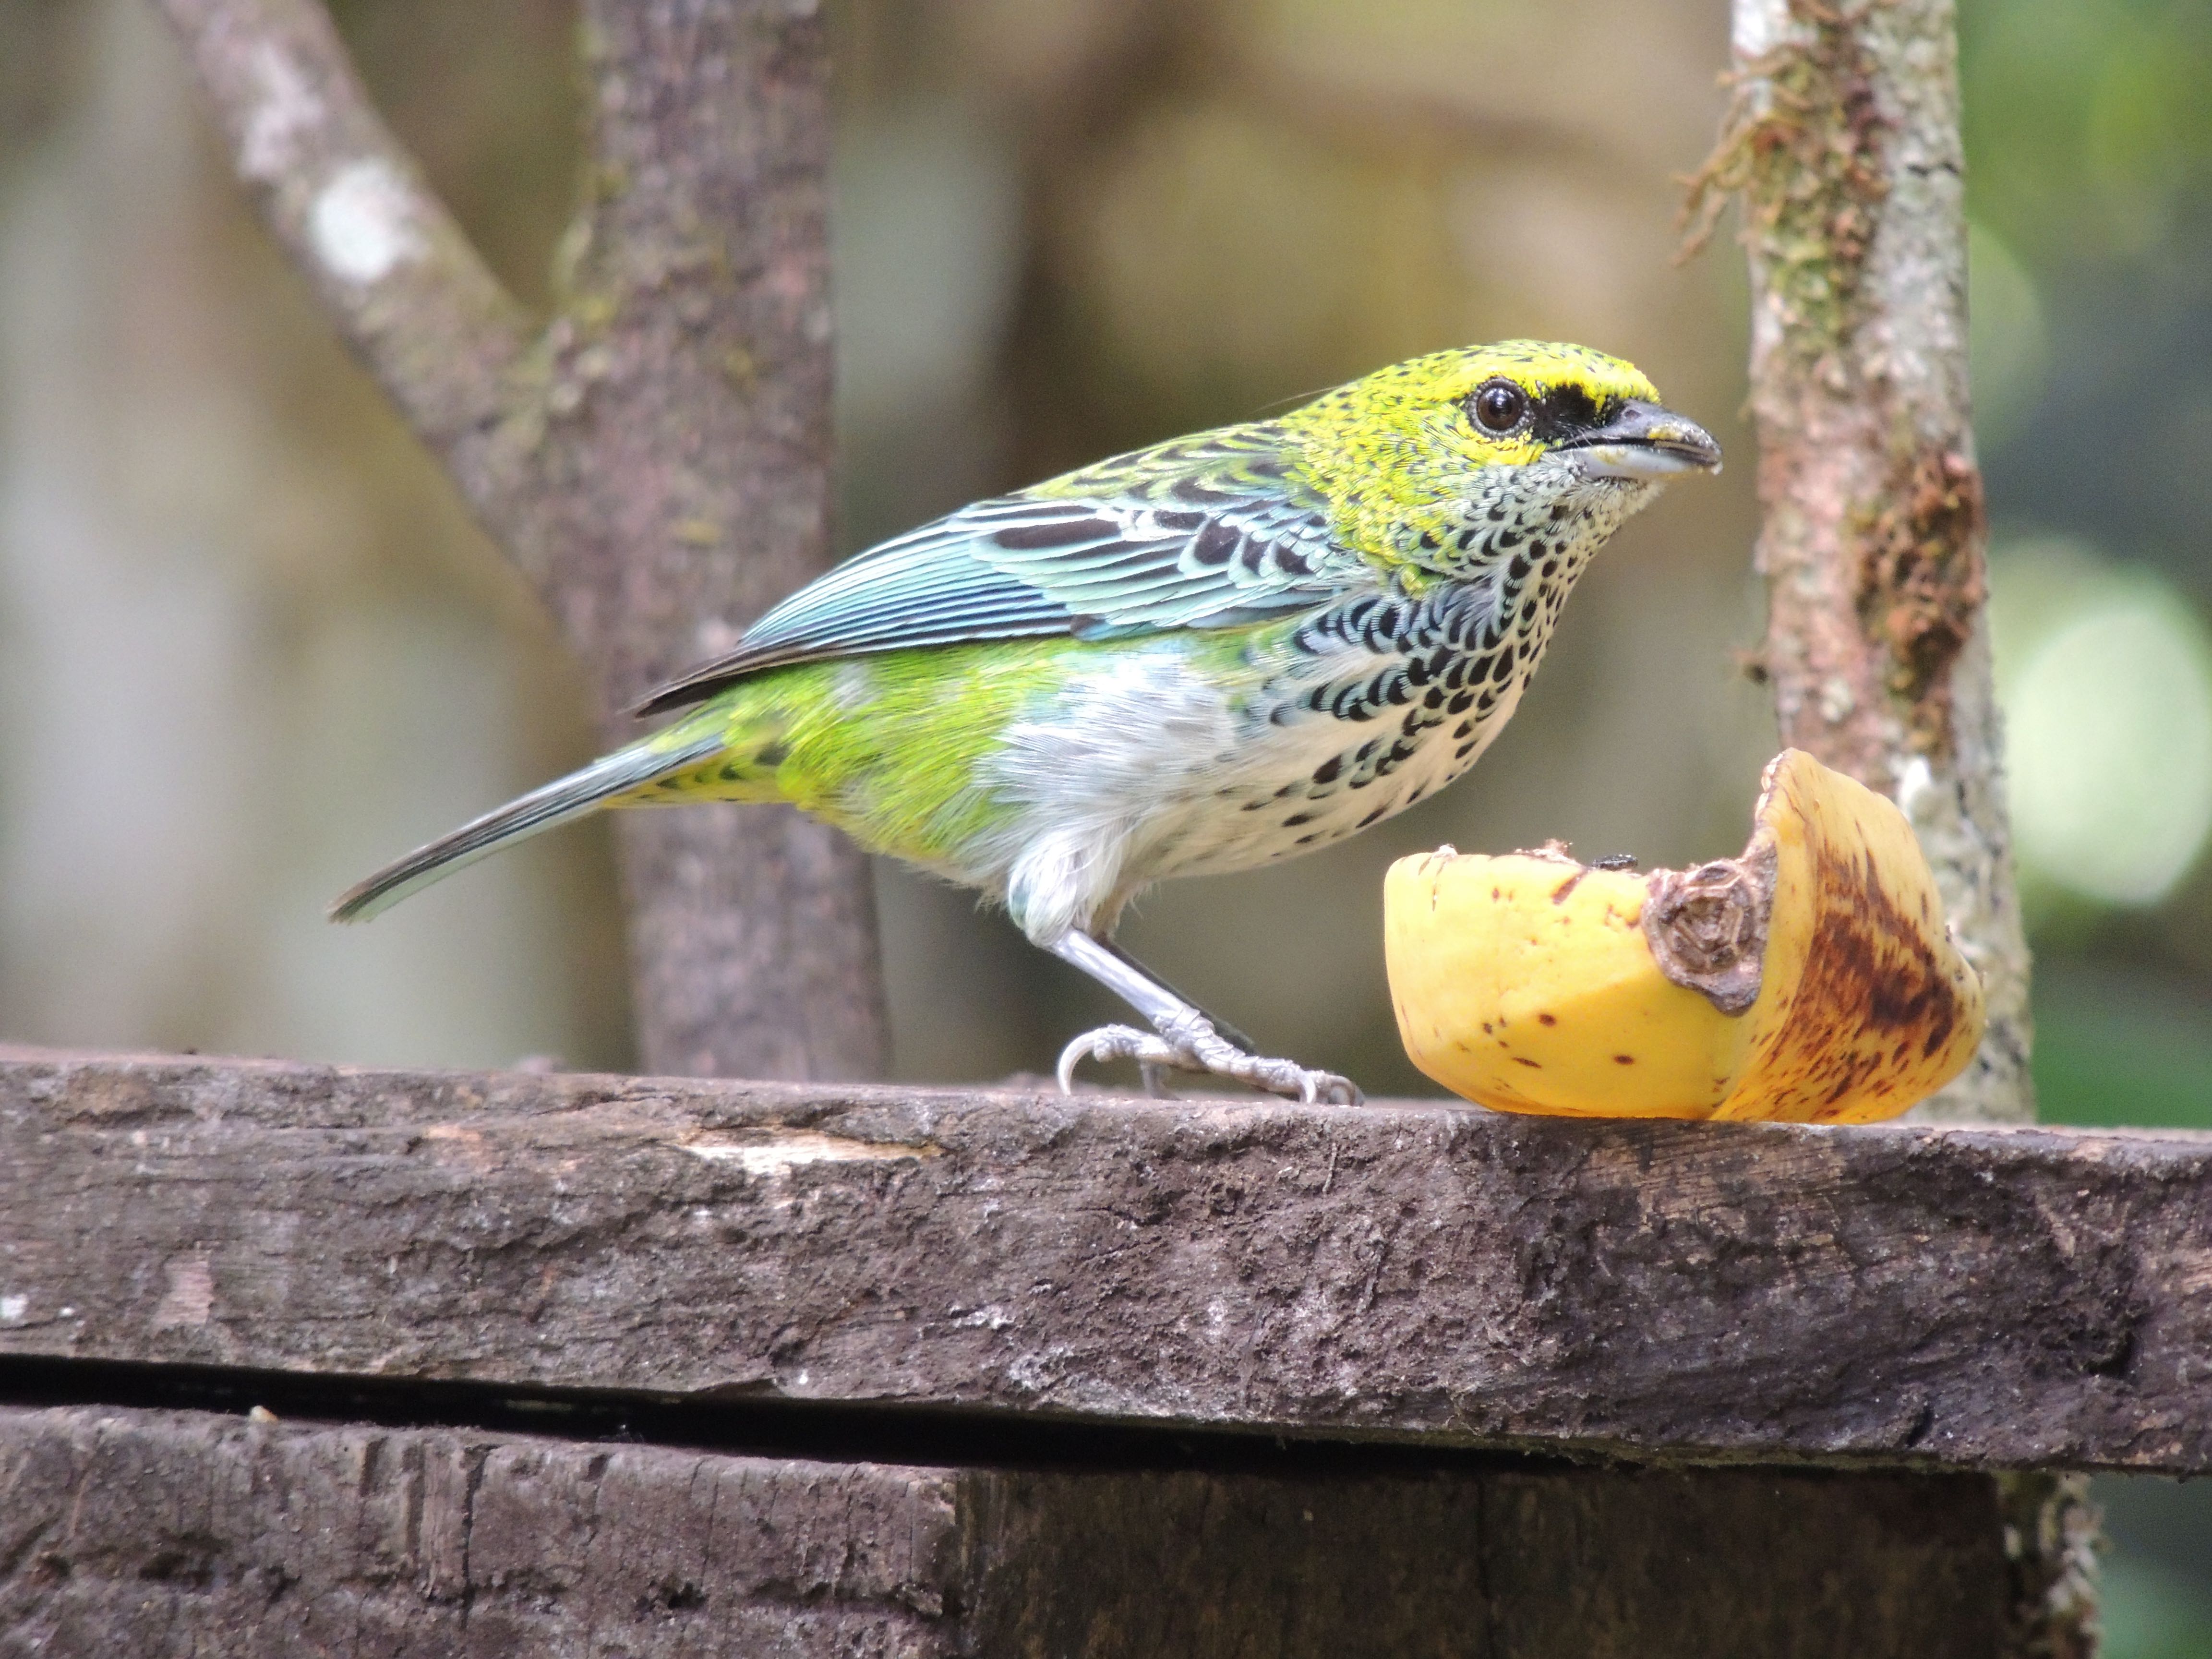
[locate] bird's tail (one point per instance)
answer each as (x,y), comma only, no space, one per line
(558,802)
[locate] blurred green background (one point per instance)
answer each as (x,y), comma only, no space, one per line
(250,645)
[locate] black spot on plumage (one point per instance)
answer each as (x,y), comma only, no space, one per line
(1466,539)
(730,774)
(1455,676)
(1434,697)
(1505,657)
(1429,539)
(1551,569)
(1366,752)
(1463,752)
(1507,540)
(1327,771)
(1497,514)
(1175,521)
(1056,532)
(1253,556)
(1465,728)
(1460,703)
(1199,493)
(1215,544)
(1293,563)
(1295,819)
(1517,571)
(773,753)
(1303,840)
(1374,815)
(1420,671)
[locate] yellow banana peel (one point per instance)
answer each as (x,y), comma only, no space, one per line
(1811,978)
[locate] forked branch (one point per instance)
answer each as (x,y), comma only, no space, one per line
(397,277)
(656,459)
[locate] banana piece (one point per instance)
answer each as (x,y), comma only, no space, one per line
(1811,978)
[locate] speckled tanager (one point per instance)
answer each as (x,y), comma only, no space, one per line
(1213,654)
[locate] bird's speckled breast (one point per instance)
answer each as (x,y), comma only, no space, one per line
(1440,677)
(1263,743)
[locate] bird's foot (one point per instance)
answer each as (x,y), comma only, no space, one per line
(1188,1042)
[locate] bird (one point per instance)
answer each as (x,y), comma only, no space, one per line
(1210,655)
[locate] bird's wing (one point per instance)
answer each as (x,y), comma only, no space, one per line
(1205,532)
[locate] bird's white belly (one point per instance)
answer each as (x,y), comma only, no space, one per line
(1145,769)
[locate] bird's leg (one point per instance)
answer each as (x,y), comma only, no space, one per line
(1221,1026)
(1181,1036)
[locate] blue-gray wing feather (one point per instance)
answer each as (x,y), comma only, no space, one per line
(1203,533)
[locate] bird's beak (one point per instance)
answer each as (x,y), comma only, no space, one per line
(1645,442)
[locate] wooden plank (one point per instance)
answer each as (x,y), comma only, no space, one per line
(155,1533)
(1559,1564)
(1975,1297)
(159,1532)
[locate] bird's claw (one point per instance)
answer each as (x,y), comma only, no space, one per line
(1188,1042)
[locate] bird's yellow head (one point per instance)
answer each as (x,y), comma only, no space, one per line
(1404,453)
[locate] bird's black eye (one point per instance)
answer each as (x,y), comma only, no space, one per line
(1498,406)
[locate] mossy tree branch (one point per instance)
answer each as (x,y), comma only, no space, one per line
(1843,142)
(655,459)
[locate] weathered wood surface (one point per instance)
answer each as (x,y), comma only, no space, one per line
(1968,1297)
(159,1532)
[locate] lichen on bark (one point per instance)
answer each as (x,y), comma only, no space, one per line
(1923,582)
(1801,144)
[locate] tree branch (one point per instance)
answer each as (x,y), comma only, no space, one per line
(397,275)
(657,461)
(688,461)
(1843,140)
